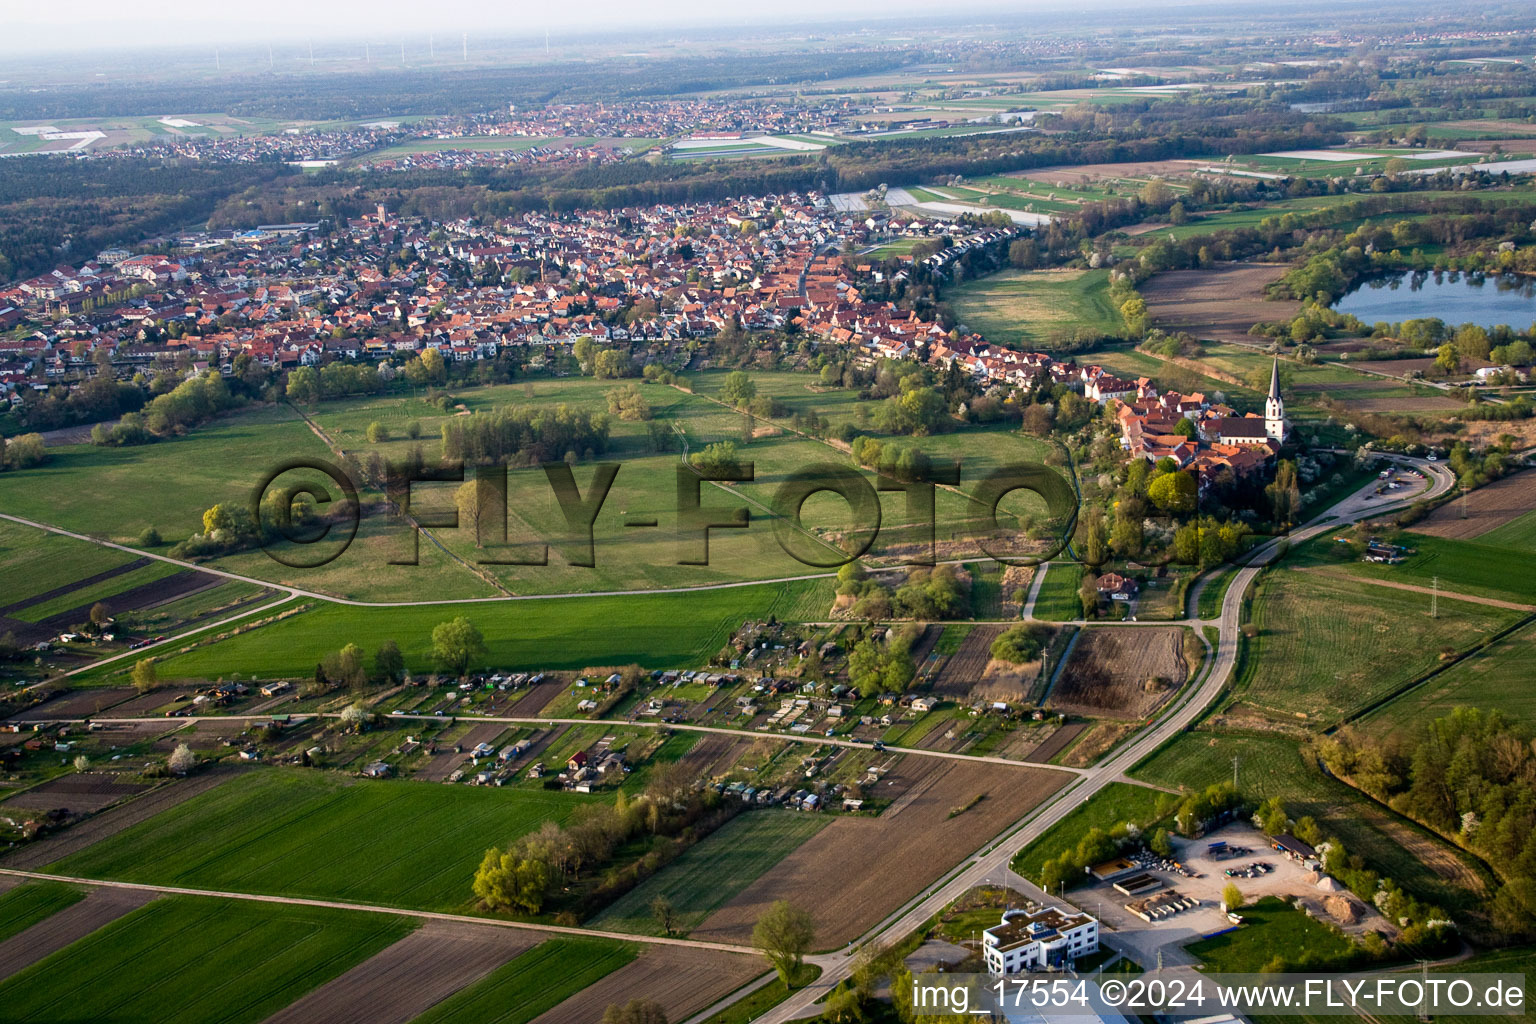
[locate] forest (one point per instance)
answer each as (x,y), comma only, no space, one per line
(1471,777)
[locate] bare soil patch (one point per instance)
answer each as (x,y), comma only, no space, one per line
(1402,367)
(533,702)
(1424,403)
(1487,508)
(167,588)
(99,908)
(145,704)
(80,793)
(925,643)
(1221,303)
(86,581)
(899,853)
(966,666)
(684,981)
(59,845)
(399,983)
(1120,673)
(1056,742)
(75,704)
(715,754)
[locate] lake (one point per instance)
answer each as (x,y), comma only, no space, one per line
(1455,298)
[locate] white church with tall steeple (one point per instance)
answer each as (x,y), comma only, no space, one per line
(1275,426)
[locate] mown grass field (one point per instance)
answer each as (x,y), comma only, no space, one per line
(532,983)
(28,904)
(713,871)
(1058,600)
(1467,567)
(296,833)
(1016,307)
(117,492)
(1115,803)
(1328,645)
(194,960)
(646,484)
(655,630)
(1270,929)
(1271,765)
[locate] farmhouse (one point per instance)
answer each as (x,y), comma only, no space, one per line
(1116,587)
(1028,940)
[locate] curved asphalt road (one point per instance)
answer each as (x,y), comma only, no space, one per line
(996,855)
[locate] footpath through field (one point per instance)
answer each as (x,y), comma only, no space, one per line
(424,915)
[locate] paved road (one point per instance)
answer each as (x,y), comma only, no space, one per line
(826,741)
(994,859)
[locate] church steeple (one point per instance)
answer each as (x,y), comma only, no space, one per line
(1274,406)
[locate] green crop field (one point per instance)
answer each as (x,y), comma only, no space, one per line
(97,591)
(1115,803)
(532,982)
(28,904)
(655,630)
(297,833)
(33,561)
(1271,765)
(193,960)
(1518,534)
(1328,645)
(1498,677)
(713,871)
(1016,307)
(1271,928)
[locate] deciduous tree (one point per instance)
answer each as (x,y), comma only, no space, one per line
(784,933)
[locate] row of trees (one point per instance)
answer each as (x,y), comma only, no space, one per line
(192,402)
(522,435)
(523,877)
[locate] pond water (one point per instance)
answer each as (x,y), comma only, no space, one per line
(1455,298)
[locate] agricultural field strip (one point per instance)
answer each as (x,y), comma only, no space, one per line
(996,855)
(827,741)
(423,915)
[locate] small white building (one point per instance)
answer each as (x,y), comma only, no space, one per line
(1028,941)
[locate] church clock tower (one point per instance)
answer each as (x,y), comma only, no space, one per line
(1274,407)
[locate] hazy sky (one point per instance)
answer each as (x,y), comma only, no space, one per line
(44,27)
